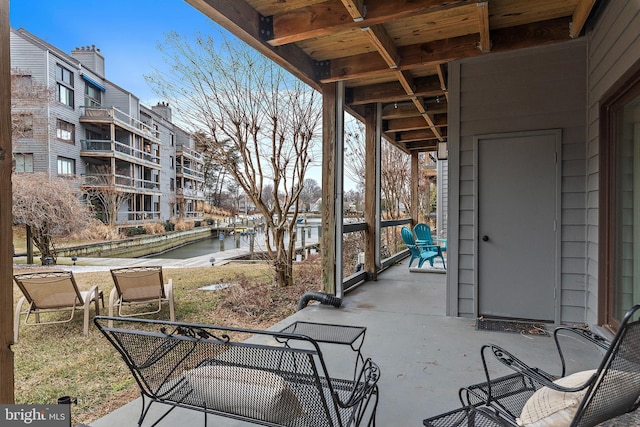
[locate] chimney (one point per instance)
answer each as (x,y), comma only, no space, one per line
(163,110)
(90,57)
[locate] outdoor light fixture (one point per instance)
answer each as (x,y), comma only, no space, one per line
(443,150)
(212,260)
(74,259)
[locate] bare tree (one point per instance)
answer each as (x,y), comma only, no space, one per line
(104,194)
(50,207)
(27,97)
(395,179)
(311,192)
(355,157)
(259,123)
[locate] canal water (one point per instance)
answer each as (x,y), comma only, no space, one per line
(212,245)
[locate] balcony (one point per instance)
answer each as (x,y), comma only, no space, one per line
(120,182)
(112,148)
(190,193)
(109,115)
(187,172)
(187,152)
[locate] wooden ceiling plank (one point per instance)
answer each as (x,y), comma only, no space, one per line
(355,8)
(242,20)
(483,25)
(327,18)
(384,44)
(580,15)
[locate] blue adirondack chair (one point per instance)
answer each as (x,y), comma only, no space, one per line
(416,252)
(424,240)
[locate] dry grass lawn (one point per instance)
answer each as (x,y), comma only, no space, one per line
(57,360)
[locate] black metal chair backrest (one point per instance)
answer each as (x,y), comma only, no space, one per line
(617,388)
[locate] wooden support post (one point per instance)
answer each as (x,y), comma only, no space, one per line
(327,241)
(415,180)
(29,244)
(6,235)
(370,199)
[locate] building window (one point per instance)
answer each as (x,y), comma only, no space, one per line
(64,80)
(22,125)
(620,198)
(66,166)
(172,162)
(92,95)
(23,162)
(65,131)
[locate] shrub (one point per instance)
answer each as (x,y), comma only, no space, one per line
(133,231)
(97,230)
(169,226)
(182,225)
(154,228)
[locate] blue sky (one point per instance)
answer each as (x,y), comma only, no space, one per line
(127,32)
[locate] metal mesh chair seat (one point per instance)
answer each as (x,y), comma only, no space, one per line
(265,382)
(611,390)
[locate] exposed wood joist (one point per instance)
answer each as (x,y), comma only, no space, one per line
(394,91)
(483,25)
(413,123)
(383,44)
(580,15)
(355,8)
(442,51)
(242,20)
(324,19)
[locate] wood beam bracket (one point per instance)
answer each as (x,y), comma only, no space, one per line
(265,27)
(322,69)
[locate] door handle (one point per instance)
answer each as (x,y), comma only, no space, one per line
(485,238)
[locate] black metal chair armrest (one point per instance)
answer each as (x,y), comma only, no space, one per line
(582,334)
(365,383)
(535,374)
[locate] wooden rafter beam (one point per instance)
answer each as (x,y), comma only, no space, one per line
(323,19)
(443,51)
(415,135)
(419,103)
(402,110)
(384,44)
(483,27)
(241,19)
(421,146)
(406,81)
(394,91)
(580,15)
(443,80)
(413,123)
(355,9)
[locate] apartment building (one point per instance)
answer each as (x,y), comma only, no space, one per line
(100,135)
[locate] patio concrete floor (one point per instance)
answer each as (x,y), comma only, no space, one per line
(424,356)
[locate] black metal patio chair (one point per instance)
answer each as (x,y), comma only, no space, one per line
(531,395)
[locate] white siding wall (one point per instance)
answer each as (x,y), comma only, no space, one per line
(614,46)
(533,89)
